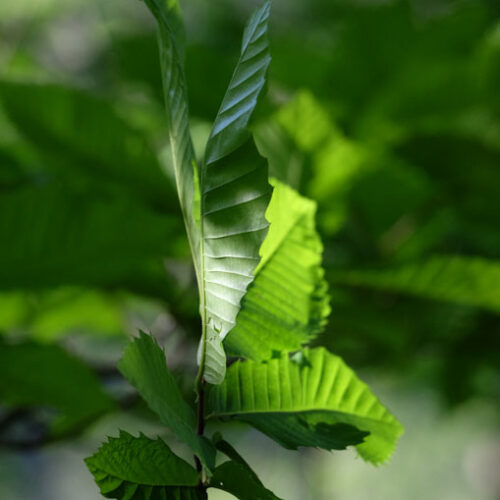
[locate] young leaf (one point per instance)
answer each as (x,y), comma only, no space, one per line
(316,401)
(287,304)
(45,375)
(130,468)
(230,127)
(144,365)
(234,196)
(465,280)
(224,200)
(176,106)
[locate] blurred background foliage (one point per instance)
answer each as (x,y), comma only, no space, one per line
(385,112)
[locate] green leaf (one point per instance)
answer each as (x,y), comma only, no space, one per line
(130,468)
(224,200)
(241,482)
(80,239)
(234,196)
(230,127)
(287,304)
(231,453)
(82,135)
(236,476)
(145,367)
(167,15)
(319,403)
(292,431)
(36,375)
(286,161)
(466,280)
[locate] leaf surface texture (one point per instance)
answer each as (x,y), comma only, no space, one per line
(130,468)
(225,198)
(287,304)
(314,400)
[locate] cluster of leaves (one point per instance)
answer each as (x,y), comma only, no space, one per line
(400,159)
(308,399)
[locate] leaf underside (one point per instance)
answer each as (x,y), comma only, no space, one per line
(223,200)
(130,468)
(319,402)
(175,93)
(234,228)
(230,127)
(234,196)
(287,304)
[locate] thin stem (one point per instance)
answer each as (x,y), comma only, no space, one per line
(201,409)
(200,424)
(199,468)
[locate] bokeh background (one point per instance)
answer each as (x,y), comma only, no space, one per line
(386,112)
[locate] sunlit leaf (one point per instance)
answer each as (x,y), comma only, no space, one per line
(315,400)
(224,199)
(287,304)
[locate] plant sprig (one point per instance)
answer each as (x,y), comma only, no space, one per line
(263,292)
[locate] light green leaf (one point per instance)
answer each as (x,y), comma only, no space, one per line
(145,367)
(224,200)
(466,280)
(130,468)
(287,304)
(36,375)
(316,401)
(293,137)
(307,122)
